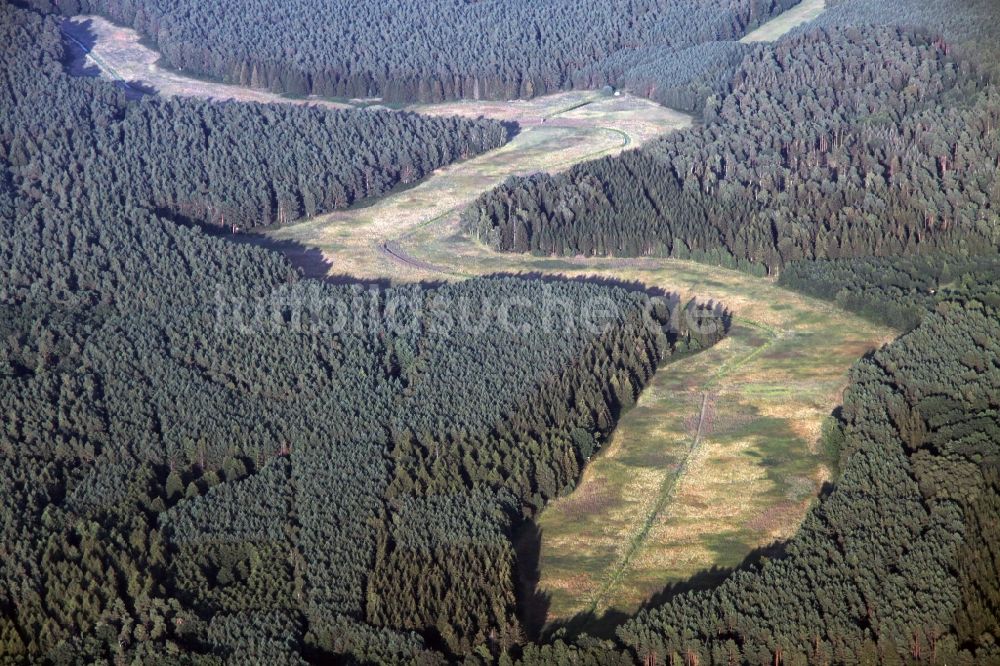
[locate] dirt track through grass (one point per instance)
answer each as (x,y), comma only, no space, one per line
(749,482)
(663,498)
(555,133)
(120,55)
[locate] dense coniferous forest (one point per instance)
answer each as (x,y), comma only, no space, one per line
(243,164)
(209,459)
(893,566)
(821,151)
(859,160)
(898,291)
(415,50)
(967,22)
(685,79)
(205,454)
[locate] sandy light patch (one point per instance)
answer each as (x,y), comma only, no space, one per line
(119,54)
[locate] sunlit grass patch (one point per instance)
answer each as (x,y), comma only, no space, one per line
(759,468)
(651,508)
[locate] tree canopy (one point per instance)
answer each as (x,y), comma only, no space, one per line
(420,50)
(820,151)
(206,454)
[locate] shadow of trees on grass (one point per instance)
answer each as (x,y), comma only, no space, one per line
(535,603)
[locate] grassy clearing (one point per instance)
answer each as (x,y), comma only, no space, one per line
(121,54)
(747,484)
(615,575)
(650,511)
(556,132)
(652,508)
(781,25)
(642,518)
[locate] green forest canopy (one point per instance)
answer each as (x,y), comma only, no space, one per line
(201,458)
(820,151)
(424,50)
(189,481)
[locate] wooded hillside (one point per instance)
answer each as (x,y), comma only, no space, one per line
(206,456)
(244,164)
(820,152)
(415,50)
